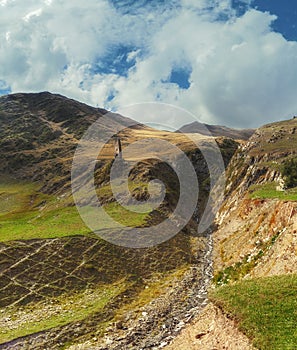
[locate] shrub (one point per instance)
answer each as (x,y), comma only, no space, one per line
(289,172)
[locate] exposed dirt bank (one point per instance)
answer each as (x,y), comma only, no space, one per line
(212,330)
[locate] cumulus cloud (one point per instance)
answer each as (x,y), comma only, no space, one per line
(111,54)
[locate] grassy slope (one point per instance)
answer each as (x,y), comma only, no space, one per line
(265,308)
(26,213)
(64,309)
(268,190)
(23,213)
(56,312)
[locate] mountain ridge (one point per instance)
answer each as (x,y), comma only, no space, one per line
(217,130)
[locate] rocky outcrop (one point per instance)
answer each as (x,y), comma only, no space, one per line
(254,237)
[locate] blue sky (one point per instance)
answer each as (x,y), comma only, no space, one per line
(230,62)
(286,11)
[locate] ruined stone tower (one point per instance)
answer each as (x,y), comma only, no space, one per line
(118,148)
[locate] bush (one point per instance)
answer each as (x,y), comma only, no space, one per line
(289,172)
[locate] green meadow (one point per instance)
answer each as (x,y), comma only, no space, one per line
(27,213)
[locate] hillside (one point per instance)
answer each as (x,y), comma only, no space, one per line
(255,244)
(39,134)
(60,283)
(217,130)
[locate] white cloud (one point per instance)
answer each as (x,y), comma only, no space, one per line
(133,55)
(36,13)
(242,73)
(3,2)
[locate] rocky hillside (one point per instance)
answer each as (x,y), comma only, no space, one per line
(257,225)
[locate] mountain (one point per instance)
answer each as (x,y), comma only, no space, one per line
(59,280)
(217,130)
(40,132)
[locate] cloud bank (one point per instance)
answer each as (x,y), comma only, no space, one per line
(223,65)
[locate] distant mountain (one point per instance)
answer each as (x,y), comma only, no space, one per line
(217,130)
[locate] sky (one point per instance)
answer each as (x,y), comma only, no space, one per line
(228,62)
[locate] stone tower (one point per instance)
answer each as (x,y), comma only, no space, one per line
(118,148)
